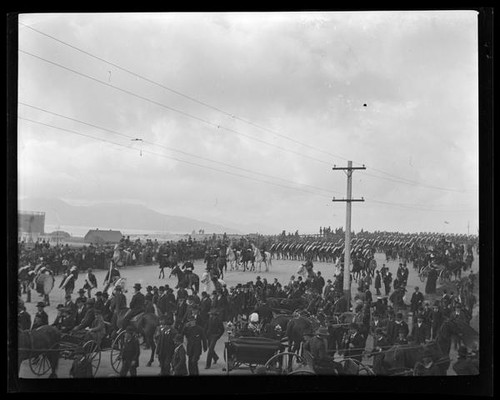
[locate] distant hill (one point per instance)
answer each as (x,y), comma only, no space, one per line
(117,215)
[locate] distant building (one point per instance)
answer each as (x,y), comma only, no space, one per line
(31,225)
(100,236)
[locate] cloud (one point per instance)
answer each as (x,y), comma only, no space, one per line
(306,76)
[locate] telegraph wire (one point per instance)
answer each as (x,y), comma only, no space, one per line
(396,179)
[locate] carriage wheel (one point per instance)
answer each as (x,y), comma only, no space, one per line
(93,354)
(302,372)
(362,369)
(226,358)
(116,352)
(39,364)
(284,363)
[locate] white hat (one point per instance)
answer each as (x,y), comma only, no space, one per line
(254,317)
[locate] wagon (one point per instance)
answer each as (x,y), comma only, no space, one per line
(257,351)
(71,346)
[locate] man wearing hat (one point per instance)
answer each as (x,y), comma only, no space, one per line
(417,300)
(41,317)
(421,331)
(196,342)
(353,343)
(179,367)
(437,319)
(215,329)
(149,307)
(99,301)
(130,353)
(205,306)
(89,316)
(465,365)
(161,304)
(317,345)
(328,287)
(97,329)
(378,282)
(81,294)
(23,318)
(164,337)
(136,305)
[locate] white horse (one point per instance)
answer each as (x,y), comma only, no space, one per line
(268,260)
(258,258)
(231,258)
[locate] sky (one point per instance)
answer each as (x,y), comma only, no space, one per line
(238,118)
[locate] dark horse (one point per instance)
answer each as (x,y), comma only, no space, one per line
(145,324)
(247,256)
(43,341)
(409,356)
(296,330)
(186,280)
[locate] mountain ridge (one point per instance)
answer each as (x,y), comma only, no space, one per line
(117,215)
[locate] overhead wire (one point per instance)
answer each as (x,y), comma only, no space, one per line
(175,158)
(169,148)
(416,207)
(396,179)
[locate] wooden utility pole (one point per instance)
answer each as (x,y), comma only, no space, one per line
(347,245)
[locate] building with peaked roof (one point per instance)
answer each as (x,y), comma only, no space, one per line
(102,236)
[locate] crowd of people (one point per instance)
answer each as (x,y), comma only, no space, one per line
(247,309)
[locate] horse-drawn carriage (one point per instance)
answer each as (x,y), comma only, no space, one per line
(260,351)
(71,346)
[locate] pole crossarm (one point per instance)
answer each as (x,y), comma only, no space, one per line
(361,199)
(335,168)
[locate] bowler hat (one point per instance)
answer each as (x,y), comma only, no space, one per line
(149,287)
(59,306)
(40,304)
(137,286)
(161,288)
(98,294)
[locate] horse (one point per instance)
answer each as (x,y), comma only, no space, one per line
(221,264)
(186,280)
(145,324)
(231,257)
(297,328)
(258,257)
(43,341)
(409,357)
(268,259)
(246,257)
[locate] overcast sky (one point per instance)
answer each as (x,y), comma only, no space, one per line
(273,99)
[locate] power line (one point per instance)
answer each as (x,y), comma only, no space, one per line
(176,159)
(397,179)
(225,172)
(173,149)
(174,109)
